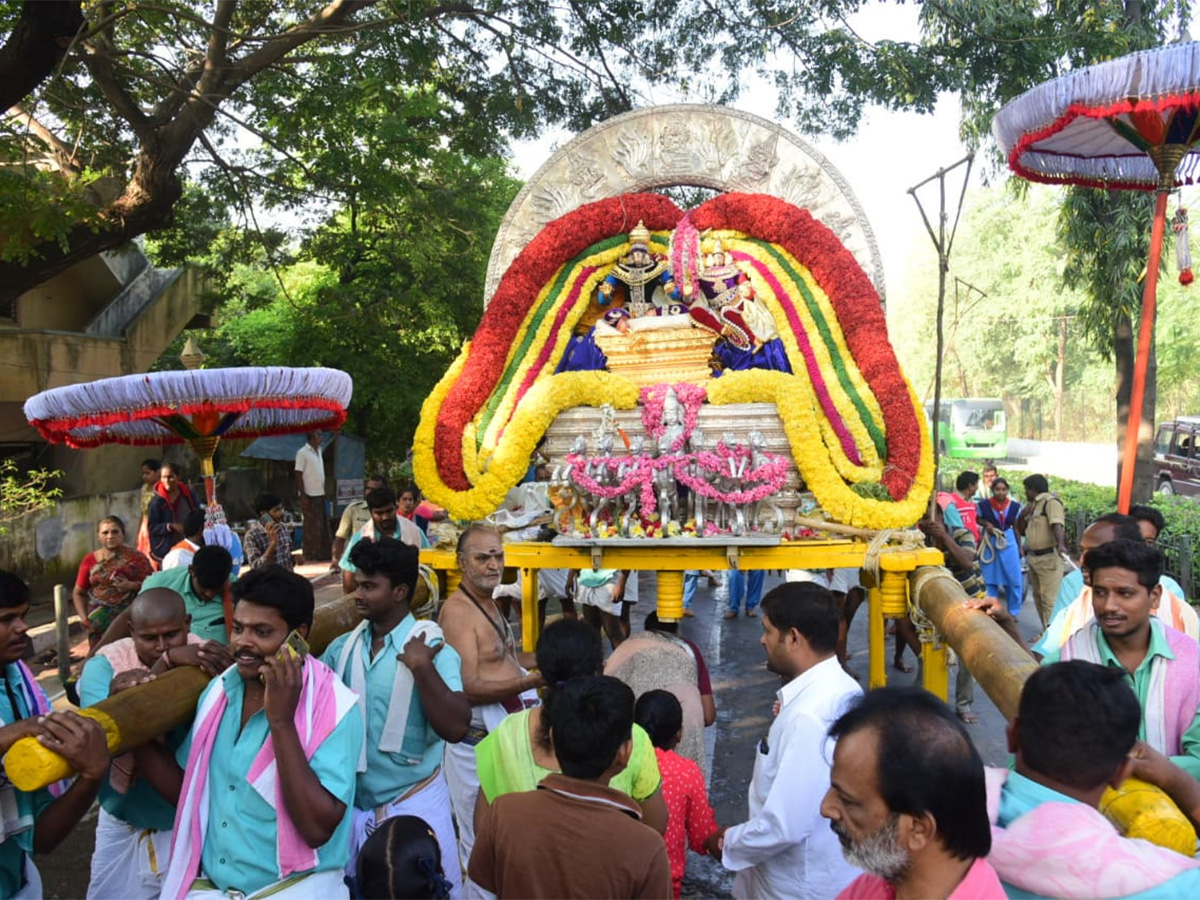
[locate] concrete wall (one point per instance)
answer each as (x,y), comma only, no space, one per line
(37,360)
(46,547)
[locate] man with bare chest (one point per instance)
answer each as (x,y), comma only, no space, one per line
(493,675)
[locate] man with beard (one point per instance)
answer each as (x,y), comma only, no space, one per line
(410,692)
(908,800)
(783,849)
(381,503)
(494,677)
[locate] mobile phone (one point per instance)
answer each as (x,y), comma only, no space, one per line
(293,645)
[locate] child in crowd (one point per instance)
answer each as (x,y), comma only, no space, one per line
(690,817)
(402,859)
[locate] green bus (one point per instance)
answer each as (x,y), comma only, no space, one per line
(973,427)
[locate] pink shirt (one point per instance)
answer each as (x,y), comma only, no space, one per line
(980,883)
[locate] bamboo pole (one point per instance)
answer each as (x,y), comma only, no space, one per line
(993,657)
(138,715)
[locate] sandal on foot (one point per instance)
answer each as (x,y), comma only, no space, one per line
(751,613)
(901,666)
(731,613)
(968,717)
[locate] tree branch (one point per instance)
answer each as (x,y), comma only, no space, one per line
(62,152)
(37,43)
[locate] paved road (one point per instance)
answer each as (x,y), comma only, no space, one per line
(1094,463)
(744,692)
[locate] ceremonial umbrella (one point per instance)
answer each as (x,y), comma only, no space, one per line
(199,406)
(1129,123)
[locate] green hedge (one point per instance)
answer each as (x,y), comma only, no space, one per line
(1085,500)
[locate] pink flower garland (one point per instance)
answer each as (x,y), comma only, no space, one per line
(653,399)
(770,476)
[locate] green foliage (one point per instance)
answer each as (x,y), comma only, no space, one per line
(24,492)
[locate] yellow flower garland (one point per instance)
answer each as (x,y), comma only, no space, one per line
(794,398)
(543,402)
(504,410)
(872,466)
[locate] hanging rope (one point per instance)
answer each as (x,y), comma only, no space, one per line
(991,544)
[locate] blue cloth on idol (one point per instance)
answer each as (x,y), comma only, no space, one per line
(770,355)
(582,355)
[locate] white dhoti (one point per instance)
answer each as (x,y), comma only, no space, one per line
(462,777)
(430,803)
(315,886)
(128,862)
(32,889)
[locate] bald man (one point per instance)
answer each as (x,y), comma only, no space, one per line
(133,831)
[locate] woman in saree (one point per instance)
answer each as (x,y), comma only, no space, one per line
(109,578)
(999,546)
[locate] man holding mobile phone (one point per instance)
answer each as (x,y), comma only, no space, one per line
(264,783)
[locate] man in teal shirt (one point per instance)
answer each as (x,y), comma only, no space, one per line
(255,816)
(409,684)
(202,585)
(37,821)
(1075,734)
(1160,664)
(133,830)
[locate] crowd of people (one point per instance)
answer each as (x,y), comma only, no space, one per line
(417,758)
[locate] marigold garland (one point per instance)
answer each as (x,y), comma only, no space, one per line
(562,239)
(483,419)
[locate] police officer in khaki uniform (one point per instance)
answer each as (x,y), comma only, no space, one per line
(1042,523)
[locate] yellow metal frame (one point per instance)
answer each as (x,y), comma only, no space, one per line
(888,600)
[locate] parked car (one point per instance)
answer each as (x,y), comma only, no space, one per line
(1176,459)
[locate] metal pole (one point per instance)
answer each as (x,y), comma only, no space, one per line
(62,632)
(1133,427)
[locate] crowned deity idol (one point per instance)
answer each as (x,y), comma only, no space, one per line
(639,284)
(728,307)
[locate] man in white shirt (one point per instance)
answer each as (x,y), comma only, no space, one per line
(310,485)
(785,848)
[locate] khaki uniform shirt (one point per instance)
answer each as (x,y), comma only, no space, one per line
(1048,511)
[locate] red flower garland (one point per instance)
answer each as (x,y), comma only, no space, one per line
(855,301)
(558,242)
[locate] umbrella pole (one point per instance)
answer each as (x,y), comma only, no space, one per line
(206,448)
(1145,335)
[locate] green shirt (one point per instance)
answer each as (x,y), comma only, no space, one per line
(1140,682)
(240,842)
(504,760)
(208,616)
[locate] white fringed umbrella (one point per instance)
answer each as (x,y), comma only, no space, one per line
(198,406)
(1132,123)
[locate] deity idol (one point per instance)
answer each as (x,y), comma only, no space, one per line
(728,307)
(621,296)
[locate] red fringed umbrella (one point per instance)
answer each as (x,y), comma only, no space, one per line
(1130,123)
(198,406)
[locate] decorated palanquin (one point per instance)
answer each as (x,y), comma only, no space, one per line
(695,373)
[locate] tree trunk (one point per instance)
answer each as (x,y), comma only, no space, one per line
(1060,378)
(37,44)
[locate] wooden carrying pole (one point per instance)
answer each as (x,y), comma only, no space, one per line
(140,714)
(993,657)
